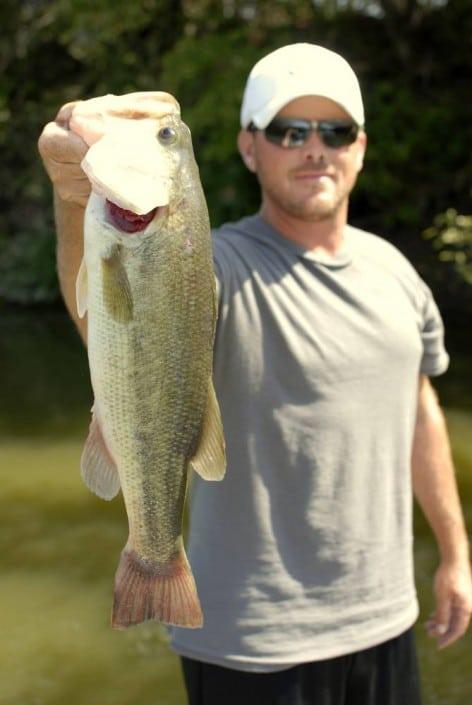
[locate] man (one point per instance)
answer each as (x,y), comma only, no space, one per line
(325,341)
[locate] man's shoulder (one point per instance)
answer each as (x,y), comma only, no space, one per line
(366,240)
(373,246)
(235,244)
(239,229)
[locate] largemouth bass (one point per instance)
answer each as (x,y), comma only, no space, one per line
(147,284)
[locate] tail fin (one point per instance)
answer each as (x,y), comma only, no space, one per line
(166,593)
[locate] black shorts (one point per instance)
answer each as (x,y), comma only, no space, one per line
(386,674)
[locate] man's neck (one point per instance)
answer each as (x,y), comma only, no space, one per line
(326,234)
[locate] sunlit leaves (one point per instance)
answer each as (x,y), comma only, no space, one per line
(451,237)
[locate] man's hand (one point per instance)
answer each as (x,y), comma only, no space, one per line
(62,152)
(453,593)
(64,142)
(62,145)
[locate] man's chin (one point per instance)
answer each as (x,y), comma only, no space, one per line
(317,207)
(313,212)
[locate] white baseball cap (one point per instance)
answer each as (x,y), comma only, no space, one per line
(297,70)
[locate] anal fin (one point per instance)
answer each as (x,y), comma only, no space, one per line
(98,469)
(209,460)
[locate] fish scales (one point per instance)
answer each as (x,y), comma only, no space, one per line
(151,369)
(161,344)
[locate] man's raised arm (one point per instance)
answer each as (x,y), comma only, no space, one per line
(62,151)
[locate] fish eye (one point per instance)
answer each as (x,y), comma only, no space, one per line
(167,135)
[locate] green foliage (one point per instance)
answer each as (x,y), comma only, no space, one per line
(27,272)
(213,114)
(413,70)
(451,236)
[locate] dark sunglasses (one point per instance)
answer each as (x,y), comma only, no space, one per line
(291,133)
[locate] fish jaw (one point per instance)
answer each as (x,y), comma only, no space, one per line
(139,175)
(104,230)
(130,170)
(127,221)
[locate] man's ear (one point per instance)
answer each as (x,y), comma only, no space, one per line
(362,142)
(246,149)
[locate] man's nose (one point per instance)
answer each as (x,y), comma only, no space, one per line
(314,149)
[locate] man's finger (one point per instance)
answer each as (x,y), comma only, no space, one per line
(458,625)
(149,99)
(443,613)
(62,152)
(91,119)
(57,144)
(142,105)
(64,114)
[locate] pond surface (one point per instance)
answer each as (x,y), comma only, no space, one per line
(60,544)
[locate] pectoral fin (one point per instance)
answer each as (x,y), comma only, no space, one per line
(98,469)
(81,293)
(116,288)
(209,460)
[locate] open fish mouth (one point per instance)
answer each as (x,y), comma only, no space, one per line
(126,220)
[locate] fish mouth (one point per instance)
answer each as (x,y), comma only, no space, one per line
(127,221)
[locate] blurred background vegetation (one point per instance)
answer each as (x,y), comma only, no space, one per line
(413,58)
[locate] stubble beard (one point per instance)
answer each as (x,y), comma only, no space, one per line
(305,210)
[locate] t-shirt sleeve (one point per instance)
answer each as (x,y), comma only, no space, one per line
(435,359)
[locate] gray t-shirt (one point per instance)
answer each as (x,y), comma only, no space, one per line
(304,550)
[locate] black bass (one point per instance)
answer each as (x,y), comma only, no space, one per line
(147,284)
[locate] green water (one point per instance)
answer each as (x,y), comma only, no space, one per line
(60,544)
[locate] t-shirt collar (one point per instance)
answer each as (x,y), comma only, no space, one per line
(265,232)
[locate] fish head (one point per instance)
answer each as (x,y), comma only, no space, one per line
(140,171)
